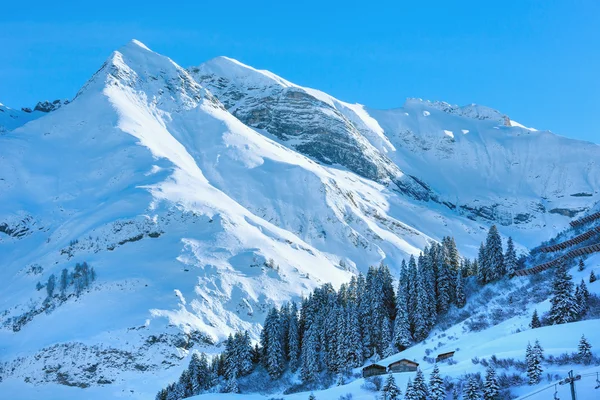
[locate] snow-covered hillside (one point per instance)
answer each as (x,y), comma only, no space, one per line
(203,196)
(472,159)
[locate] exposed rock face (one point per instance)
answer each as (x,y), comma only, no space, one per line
(307,121)
(46,106)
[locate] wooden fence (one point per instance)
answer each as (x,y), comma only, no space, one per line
(585,220)
(571,242)
(594,248)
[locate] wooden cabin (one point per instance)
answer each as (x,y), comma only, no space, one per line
(444,356)
(403,365)
(372,370)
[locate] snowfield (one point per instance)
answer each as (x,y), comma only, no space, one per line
(203,196)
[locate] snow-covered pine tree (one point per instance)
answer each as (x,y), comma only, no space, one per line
(402,336)
(64,281)
(472,391)
(390,391)
(231,385)
(421,315)
(535,320)
(584,350)
(50,285)
(436,385)
(483,273)
(354,350)
(293,339)
(413,293)
(451,256)
(582,298)
(244,349)
(193,367)
(564,308)
(185,384)
(494,256)
(461,298)
(533,357)
(274,357)
(312,396)
(581,264)
(410,391)
(161,395)
(592,277)
(445,285)
(510,258)
(310,357)
(420,386)
(455,393)
(429,283)
(387,345)
(230,357)
(491,387)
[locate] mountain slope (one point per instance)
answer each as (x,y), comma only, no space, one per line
(434,147)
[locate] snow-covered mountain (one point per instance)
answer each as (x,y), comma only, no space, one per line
(472,159)
(202,196)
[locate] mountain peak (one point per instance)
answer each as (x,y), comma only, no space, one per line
(238,72)
(136,67)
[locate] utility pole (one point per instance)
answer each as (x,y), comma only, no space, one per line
(571,381)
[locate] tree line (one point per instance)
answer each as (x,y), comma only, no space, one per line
(331,332)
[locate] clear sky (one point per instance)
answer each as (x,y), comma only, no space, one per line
(536,60)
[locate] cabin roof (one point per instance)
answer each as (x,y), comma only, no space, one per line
(405,360)
(376,366)
(446,354)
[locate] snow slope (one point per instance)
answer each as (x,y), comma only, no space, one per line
(472,159)
(197,213)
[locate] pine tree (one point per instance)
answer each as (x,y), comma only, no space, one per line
(274,357)
(461,299)
(293,339)
(491,388)
(564,308)
(535,320)
(436,385)
(472,391)
(310,357)
(50,285)
(483,274)
(256,354)
(231,386)
(402,335)
(420,315)
(581,265)
(455,395)
(584,350)
(390,391)
(493,255)
(161,395)
(410,391)
(533,357)
(582,297)
(510,258)
(185,384)
(312,396)
(244,352)
(64,281)
(592,277)
(193,368)
(420,386)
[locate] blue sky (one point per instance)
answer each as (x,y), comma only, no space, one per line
(537,61)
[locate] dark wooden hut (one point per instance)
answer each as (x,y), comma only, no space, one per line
(372,370)
(403,365)
(444,356)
